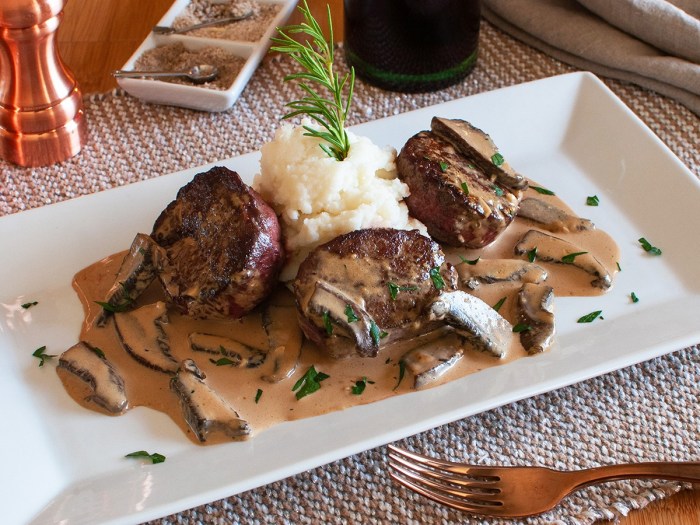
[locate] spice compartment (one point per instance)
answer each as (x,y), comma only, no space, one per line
(203,97)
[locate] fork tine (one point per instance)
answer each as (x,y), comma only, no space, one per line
(471,485)
(475,507)
(483,474)
(449,485)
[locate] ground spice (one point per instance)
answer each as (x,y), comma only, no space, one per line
(249,30)
(175,57)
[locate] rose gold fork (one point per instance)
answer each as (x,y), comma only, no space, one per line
(515,491)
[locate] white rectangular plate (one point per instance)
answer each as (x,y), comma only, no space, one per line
(569,133)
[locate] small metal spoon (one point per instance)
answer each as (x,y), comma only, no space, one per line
(165,30)
(196,74)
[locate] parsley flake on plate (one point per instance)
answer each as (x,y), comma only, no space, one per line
(154,458)
(648,247)
(41,355)
(309,383)
(589,318)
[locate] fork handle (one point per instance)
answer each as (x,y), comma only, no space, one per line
(676,471)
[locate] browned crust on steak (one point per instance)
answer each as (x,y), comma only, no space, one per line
(223,244)
(436,172)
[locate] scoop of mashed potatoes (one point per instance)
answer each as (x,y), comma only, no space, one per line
(319,198)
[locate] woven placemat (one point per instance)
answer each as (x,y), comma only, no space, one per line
(645,412)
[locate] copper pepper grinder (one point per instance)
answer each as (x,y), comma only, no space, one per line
(41,110)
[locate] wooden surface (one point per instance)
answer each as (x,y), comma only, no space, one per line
(98,36)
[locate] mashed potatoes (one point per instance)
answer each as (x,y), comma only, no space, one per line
(319,198)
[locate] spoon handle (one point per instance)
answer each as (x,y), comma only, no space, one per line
(165,30)
(122,73)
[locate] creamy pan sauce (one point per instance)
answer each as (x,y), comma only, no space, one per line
(277,402)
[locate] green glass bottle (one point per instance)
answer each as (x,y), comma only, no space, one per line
(412,45)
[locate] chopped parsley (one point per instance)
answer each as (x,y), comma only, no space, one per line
(437,279)
(394,289)
(327,323)
(41,355)
(619,268)
(634,297)
(589,318)
(223,361)
(360,385)
(309,383)
(497,159)
(648,247)
(542,191)
(498,305)
(521,327)
(532,254)
(443,166)
(464,187)
(593,200)
(470,262)
(376,333)
(498,191)
(569,258)
(122,306)
(258,395)
(30,304)
(402,372)
(154,458)
(350,313)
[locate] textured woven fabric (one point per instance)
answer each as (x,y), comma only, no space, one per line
(649,42)
(645,412)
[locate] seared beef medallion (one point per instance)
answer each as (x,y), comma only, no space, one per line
(462,197)
(359,270)
(223,245)
(369,288)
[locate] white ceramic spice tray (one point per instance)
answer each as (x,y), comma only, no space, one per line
(200,97)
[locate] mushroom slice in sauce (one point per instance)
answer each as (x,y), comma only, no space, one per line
(205,411)
(238,353)
(478,146)
(551,217)
(475,320)
(138,270)
(328,300)
(536,310)
(284,334)
(553,249)
(490,271)
(142,335)
(429,362)
(86,363)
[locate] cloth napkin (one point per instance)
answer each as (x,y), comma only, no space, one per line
(652,43)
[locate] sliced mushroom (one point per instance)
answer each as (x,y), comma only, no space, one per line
(478,146)
(285,338)
(551,217)
(205,411)
(481,325)
(88,364)
(489,271)
(142,335)
(138,270)
(553,249)
(238,353)
(328,300)
(536,311)
(429,362)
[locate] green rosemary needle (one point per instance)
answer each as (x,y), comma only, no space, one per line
(315,56)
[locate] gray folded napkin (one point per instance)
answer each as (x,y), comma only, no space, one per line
(652,43)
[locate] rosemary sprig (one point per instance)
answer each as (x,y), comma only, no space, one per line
(316,58)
